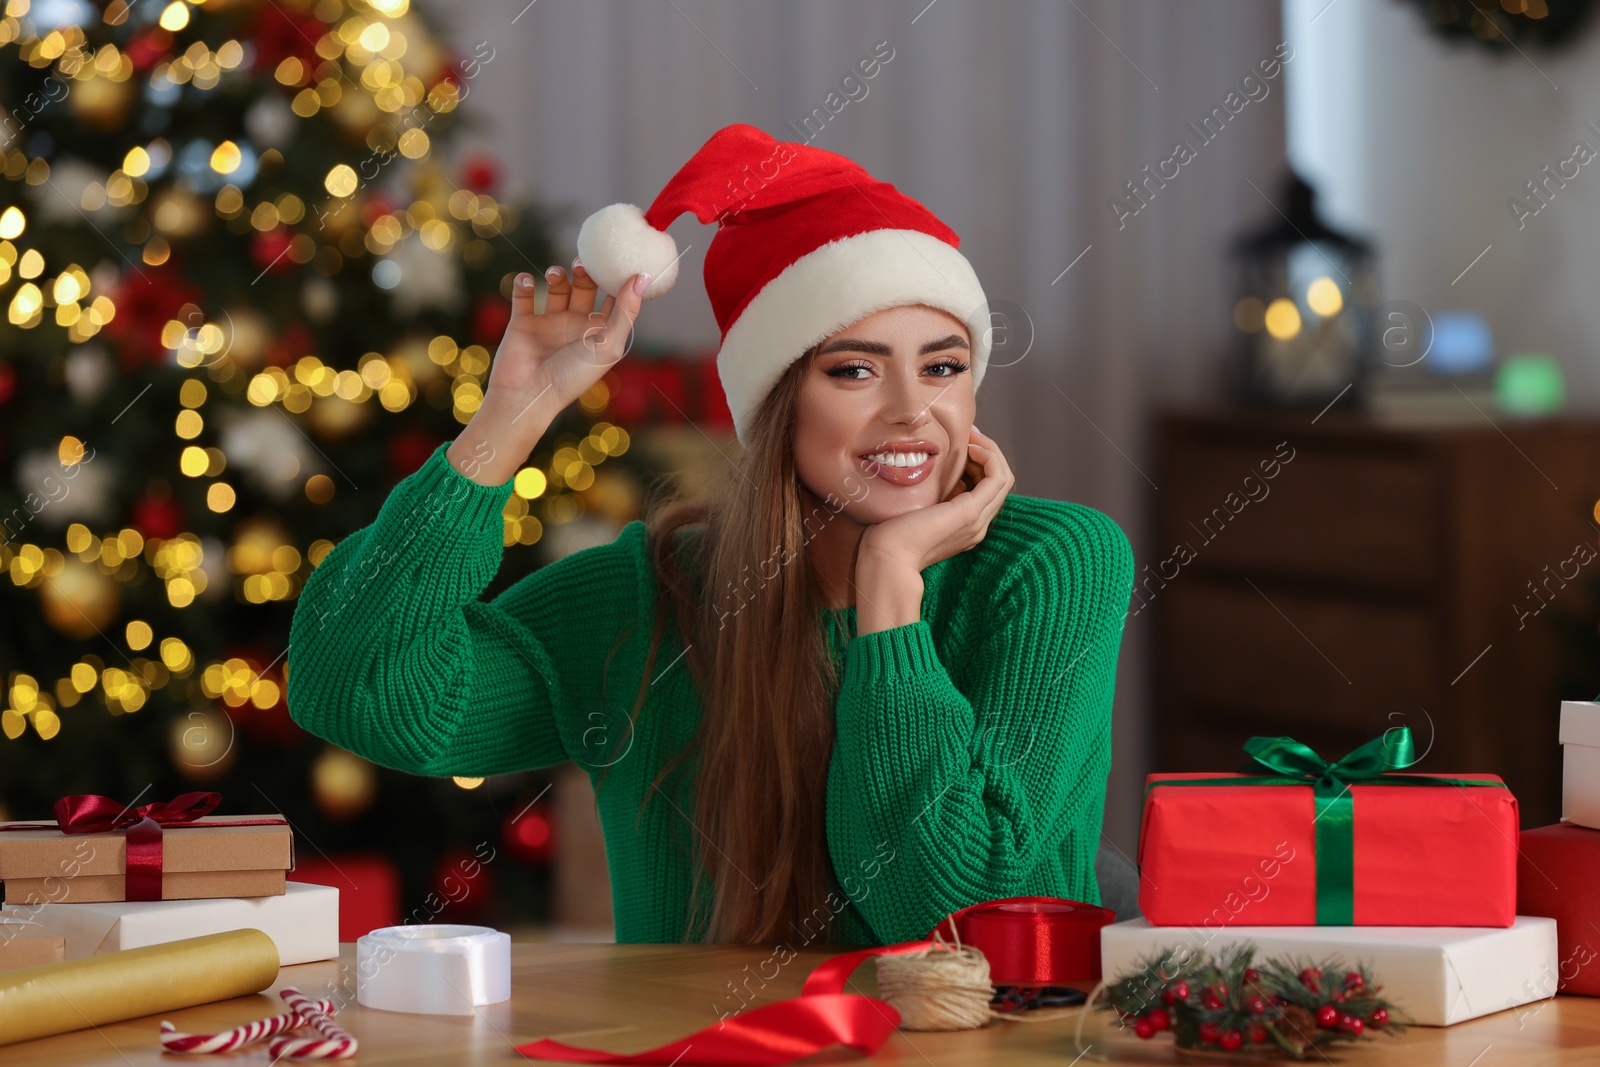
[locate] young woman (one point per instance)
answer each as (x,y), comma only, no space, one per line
(857,685)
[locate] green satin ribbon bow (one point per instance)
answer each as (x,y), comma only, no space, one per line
(1334,821)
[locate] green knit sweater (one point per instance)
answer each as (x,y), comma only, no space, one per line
(971,747)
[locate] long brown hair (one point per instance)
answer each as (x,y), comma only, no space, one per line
(767,682)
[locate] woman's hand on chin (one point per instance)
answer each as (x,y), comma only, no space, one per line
(921,538)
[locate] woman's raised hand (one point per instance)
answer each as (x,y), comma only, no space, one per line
(545,361)
(548,359)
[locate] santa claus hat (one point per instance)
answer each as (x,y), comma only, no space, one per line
(807,244)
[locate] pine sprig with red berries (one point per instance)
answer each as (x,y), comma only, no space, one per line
(1227,1003)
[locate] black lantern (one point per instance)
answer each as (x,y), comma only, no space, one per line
(1304,306)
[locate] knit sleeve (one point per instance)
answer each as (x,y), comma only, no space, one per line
(393,656)
(946,798)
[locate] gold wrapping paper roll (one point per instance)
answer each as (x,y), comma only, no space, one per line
(56,998)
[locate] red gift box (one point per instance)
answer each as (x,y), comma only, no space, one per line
(1558,873)
(1441,851)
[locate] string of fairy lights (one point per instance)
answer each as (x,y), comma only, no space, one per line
(358,78)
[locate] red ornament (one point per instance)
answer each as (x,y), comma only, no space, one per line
(157,515)
(490,315)
(148,48)
(1209,999)
(529,835)
(1352,980)
(1256,1032)
(463,885)
(1251,974)
(1379,1018)
(1143,1028)
(1229,1040)
(1208,1032)
(1180,990)
(1327,1016)
(1256,1005)
(480,173)
(1159,1019)
(278,34)
(269,250)
(408,450)
(146,302)
(1351,1024)
(1310,977)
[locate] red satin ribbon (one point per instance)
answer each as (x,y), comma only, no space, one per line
(1037,940)
(1033,940)
(89,813)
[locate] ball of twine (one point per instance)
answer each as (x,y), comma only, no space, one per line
(940,988)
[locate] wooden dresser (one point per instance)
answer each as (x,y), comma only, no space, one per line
(1442,578)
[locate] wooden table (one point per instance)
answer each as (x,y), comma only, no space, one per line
(628,998)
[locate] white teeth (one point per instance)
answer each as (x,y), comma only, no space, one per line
(900,459)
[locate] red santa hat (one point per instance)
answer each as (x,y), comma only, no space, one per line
(807,244)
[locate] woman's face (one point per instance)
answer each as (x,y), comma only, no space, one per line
(897,381)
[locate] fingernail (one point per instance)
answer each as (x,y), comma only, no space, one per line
(553,272)
(524,281)
(576,262)
(641,283)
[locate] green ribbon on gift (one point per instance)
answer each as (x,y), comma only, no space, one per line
(1334,821)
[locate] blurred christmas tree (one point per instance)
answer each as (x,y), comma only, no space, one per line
(246,294)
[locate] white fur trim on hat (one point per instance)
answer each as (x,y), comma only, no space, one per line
(616,242)
(835,286)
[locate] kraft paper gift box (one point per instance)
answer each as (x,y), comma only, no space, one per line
(1580,763)
(1558,875)
(1438,975)
(208,857)
(303,922)
(25,944)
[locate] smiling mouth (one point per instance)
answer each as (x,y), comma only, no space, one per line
(898,468)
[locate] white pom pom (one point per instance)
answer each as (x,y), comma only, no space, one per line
(616,242)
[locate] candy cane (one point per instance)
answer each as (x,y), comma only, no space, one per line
(172,1041)
(336,1043)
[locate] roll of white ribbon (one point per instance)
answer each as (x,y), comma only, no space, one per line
(433,970)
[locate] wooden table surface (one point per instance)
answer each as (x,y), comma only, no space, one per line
(629,998)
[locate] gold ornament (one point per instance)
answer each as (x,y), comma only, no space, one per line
(343,783)
(202,743)
(101,102)
(80,601)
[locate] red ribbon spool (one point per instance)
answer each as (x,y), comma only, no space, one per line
(1033,940)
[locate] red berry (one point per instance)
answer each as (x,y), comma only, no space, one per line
(1257,1032)
(1209,1000)
(1338,996)
(1310,977)
(1327,1016)
(1222,989)
(1251,974)
(1351,1024)
(1208,1032)
(1229,1040)
(1379,1018)
(1352,980)
(1159,1019)
(1143,1028)
(1180,990)
(1256,1005)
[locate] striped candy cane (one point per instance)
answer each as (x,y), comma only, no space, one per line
(172,1041)
(335,1043)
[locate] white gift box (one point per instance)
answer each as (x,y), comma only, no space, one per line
(1580,762)
(303,922)
(1438,975)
